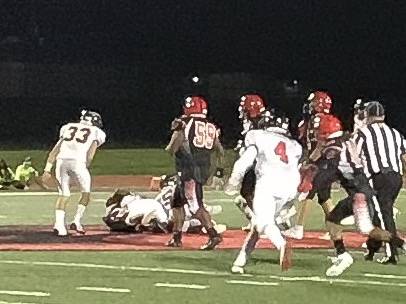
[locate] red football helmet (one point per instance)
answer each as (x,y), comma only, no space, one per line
(195,105)
(320,102)
(326,125)
(251,106)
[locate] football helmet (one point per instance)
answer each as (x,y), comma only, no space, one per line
(326,126)
(195,105)
(275,119)
(251,106)
(319,102)
(168,180)
(91,118)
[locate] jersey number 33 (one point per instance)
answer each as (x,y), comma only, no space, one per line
(79,135)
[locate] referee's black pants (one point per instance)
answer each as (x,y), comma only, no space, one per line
(387,187)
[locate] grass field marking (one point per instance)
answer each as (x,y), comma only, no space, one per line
(4,302)
(334,280)
(384,276)
(187,286)
(25,293)
(252,283)
(104,289)
(28,193)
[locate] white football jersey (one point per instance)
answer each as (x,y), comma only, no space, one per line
(277,157)
(77,139)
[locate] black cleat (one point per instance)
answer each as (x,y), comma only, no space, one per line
(212,243)
(79,230)
(173,243)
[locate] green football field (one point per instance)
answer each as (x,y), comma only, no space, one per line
(180,276)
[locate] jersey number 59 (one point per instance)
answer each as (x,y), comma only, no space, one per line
(80,136)
(205,134)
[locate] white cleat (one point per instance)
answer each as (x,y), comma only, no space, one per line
(60,231)
(340,264)
(325,236)
(294,233)
(237,270)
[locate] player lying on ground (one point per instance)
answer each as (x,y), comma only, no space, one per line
(128,212)
(7,177)
(73,154)
(277,159)
(193,140)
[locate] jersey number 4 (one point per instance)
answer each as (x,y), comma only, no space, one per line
(280,150)
(80,137)
(205,134)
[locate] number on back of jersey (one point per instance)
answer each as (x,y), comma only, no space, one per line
(205,135)
(79,135)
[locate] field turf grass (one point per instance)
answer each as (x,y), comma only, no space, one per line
(160,277)
(114,162)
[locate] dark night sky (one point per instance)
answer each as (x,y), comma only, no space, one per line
(351,48)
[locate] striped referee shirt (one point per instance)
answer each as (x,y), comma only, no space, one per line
(381,148)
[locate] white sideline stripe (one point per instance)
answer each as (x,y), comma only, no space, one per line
(4,302)
(333,280)
(85,265)
(199,272)
(187,286)
(384,276)
(25,293)
(28,193)
(251,283)
(104,289)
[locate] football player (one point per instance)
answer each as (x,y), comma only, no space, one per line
(193,141)
(277,158)
(317,105)
(73,155)
(250,111)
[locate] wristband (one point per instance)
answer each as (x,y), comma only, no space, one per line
(48,167)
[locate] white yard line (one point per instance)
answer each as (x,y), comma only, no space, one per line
(252,283)
(187,286)
(28,194)
(4,302)
(104,289)
(25,293)
(335,280)
(201,272)
(384,276)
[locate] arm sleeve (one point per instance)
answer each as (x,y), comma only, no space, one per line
(100,137)
(62,131)
(243,164)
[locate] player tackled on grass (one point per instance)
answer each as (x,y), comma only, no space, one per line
(250,109)
(277,159)
(73,154)
(193,140)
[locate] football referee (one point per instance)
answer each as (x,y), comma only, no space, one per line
(382,148)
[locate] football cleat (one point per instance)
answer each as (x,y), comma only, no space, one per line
(343,262)
(78,228)
(60,231)
(237,270)
(212,243)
